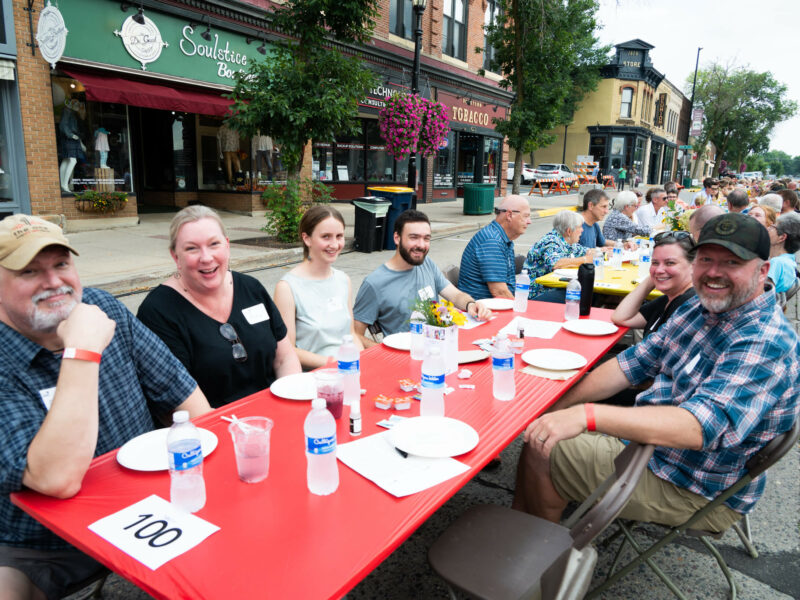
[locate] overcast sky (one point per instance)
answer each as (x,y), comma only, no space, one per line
(761,35)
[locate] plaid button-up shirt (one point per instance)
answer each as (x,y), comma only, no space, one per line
(137,369)
(737,373)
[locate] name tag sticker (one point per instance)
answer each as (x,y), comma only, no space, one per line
(47,397)
(256,314)
(153,531)
(425,293)
(334,303)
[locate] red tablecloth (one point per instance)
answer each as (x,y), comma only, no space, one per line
(275,538)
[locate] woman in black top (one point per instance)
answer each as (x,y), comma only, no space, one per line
(671,274)
(222,326)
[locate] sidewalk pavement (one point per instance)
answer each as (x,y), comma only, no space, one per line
(134,259)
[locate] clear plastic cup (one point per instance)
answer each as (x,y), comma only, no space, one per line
(251,446)
(330,386)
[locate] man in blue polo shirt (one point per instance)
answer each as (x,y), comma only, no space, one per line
(725,382)
(487,265)
(79,376)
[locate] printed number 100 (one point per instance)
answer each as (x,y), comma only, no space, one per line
(155,530)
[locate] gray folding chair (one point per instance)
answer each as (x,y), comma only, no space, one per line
(498,553)
(98,579)
(451,274)
(519,260)
(760,462)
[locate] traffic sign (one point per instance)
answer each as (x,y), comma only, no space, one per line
(684,147)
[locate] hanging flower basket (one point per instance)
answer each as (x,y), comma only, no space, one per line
(411,124)
(105,202)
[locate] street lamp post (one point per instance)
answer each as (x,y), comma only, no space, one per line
(419,8)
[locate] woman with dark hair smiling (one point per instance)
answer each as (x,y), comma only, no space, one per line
(221,325)
(670,274)
(315,300)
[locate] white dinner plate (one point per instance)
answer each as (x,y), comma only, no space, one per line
(297,386)
(571,273)
(398,341)
(554,359)
(470,356)
(148,452)
(433,437)
(590,327)
(498,303)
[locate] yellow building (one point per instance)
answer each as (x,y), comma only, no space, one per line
(635,118)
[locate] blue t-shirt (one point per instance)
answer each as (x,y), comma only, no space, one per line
(489,256)
(782,271)
(592,236)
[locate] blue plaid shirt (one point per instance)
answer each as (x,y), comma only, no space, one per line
(737,373)
(489,256)
(137,368)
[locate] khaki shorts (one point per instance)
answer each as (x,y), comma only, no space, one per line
(579,465)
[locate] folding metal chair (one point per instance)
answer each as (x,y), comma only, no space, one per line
(498,553)
(519,261)
(760,462)
(451,274)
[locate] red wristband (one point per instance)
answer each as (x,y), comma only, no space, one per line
(589,408)
(79,354)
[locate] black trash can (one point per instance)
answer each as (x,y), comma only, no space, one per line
(478,198)
(400,197)
(370,223)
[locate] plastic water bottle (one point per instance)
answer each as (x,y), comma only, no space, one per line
(616,257)
(573,306)
(417,337)
(187,488)
(521,289)
(503,386)
(349,367)
(644,261)
(432,385)
(599,264)
(322,472)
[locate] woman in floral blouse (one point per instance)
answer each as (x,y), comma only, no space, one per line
(619,224)
(558,249)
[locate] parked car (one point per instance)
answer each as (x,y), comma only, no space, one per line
(553,171)
(525,177)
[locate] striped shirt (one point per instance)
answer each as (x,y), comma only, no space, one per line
(737,373)
(137,370)
(489,256)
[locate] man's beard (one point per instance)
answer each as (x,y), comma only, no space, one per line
(47,321)
(735,297)
(406,256)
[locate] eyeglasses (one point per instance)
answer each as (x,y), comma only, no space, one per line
(519,212)
(227,331)
(675,235)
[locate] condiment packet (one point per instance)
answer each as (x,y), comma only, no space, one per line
(467,386)
(391,421)
(464,374)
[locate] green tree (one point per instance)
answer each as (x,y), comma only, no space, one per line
(547,52)
(741,109)
(306,88)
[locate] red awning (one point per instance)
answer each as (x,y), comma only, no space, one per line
(119,90)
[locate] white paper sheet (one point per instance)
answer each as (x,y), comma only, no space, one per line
(375,458)
(533,328)
(153,531)
(472,322)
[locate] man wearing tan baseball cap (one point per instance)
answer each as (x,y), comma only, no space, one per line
(78,377)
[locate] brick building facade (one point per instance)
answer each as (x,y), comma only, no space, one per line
(147,121)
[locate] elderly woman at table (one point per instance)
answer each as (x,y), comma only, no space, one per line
(222,325)
(784,237)
(619,224)
(670,274)
(558,249)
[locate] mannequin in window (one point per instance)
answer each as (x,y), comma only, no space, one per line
(71,144)
(262,150)
(228,145)
(101,145)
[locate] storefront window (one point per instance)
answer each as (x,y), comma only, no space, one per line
(669,155)
(348,158)
(93,141)
(491,160)
(322,161)
(443,171)
(597,149)
(617,154)
(467,157)
(184,151)
(7,191)
(380,166)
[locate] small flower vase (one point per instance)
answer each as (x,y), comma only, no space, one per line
(447,339)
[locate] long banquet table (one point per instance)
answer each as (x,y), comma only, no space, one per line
(618,282)
(278,540)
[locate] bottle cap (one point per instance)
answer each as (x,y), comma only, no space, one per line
(346,339)
(180,416)
(318,403)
